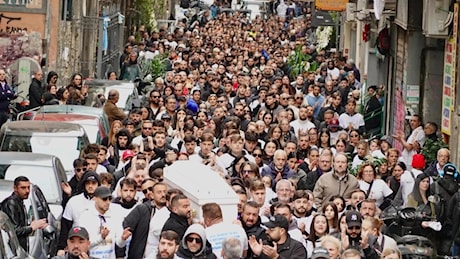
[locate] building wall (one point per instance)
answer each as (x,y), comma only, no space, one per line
(35,18)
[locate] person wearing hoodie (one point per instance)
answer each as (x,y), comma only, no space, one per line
(123,142)
(76,205)
(278,169)
(194,244)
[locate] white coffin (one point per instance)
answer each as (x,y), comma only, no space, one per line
(202,185)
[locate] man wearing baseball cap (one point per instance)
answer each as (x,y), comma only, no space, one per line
(354,237)
(279,244)
(77,244)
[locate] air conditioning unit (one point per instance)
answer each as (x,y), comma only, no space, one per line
(436,18)
(350,12)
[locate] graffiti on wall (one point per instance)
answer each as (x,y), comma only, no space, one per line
(12,23)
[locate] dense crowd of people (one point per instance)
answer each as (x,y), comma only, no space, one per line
(303,152)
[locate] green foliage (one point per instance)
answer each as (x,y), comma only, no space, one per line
(156,67)
(145,9)
(430,149)
(368,159)
(300,62)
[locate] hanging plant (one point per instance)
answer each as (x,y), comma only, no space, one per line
(430,149)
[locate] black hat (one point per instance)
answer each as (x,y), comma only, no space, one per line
(277,221)
(91,176)
(166,116)
(353,219)
(78,232)
(320,253)
(102,192)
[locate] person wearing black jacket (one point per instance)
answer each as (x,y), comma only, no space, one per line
(14,207)
(139,224)
(251,223)
(194,244)
(70,188)
(353,237)
(36,90)
(280,244)
(178,221)
(373,110)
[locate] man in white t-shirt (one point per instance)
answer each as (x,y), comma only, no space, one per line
(217,230)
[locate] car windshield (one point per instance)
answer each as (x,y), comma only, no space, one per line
(91,127)
(67,148)
(126,94)
(42,176)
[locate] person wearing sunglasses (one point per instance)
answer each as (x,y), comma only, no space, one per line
(103,225)
(354,237)
(70,188)
(195,245)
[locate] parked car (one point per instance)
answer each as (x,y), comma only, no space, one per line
(9,243)
(74,110)
(93,126)
(42,242)
(64,140)
(44,170)
(129,96)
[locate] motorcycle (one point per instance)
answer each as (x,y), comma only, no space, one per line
(404,226)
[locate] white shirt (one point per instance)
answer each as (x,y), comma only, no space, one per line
(303,125)
(418,135)
(356,120)
(76,205)
(379,190)
(91,220)
(218,232)
(156,225)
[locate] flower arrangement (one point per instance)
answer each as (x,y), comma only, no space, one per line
(323,36)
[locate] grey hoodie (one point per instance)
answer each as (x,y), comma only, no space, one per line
(199,230)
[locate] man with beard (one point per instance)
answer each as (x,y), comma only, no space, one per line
(127,195)
(14,207)
(354,237)
(303,144)
(146,131)
(123,141)
(154,102)
(77,245)
(251,223)
(293,230)
(168,245)
(216,228)
(302,210)
(279,244)
(138,222)
(308,181)
(76,205)
(160,217)
(367,208)
(272,104)
(178,220)
(103,224)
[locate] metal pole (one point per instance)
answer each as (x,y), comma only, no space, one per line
(99,49)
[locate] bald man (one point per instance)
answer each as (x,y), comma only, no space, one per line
(111,109)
